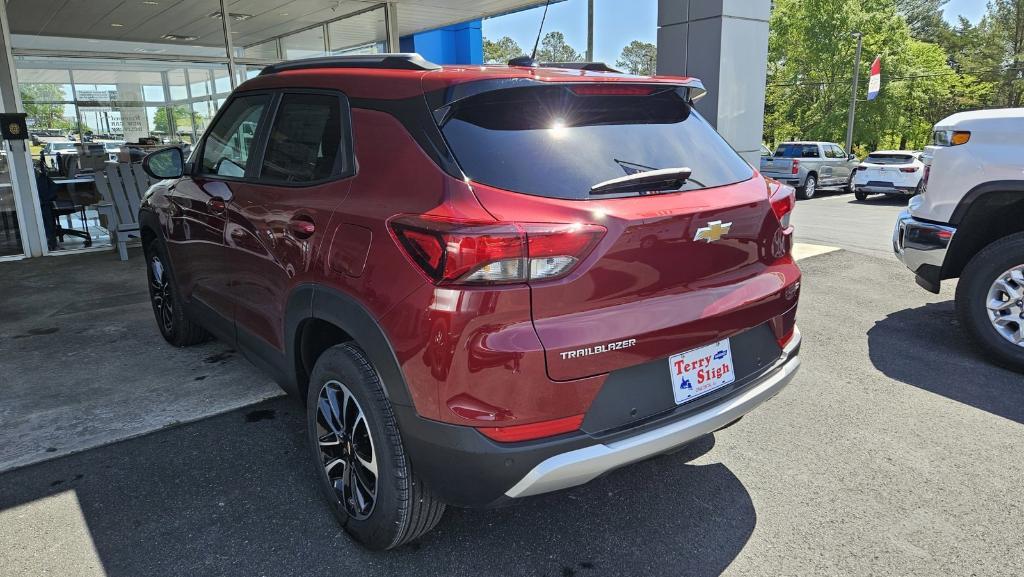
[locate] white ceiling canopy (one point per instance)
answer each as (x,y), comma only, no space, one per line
(197,23)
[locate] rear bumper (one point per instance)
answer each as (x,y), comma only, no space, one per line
(922,246)
(464,468)
(885,188)
(582,465)
(788,178)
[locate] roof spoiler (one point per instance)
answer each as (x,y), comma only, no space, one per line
(589,66)
(387,61)
(443,103)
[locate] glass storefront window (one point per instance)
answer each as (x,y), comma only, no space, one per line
(264,51)
(86,113)
(305,44)
(364,33)
(176,83)
(10,233)
(199,82)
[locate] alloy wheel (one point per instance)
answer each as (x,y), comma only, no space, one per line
(346,449)
(1005,304)
(810,187)
(160,293)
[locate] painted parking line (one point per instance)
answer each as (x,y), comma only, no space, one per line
(803,250)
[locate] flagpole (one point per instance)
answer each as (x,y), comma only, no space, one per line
(853,94)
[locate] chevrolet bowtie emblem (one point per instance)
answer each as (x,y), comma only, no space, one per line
(715,230)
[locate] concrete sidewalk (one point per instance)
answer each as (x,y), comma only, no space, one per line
(83,363)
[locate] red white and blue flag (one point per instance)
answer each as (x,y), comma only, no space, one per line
(876,78)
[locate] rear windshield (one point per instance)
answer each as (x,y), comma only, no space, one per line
(550,141)
(889,158)
(797,151)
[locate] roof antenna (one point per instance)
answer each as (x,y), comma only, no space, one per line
(533,56)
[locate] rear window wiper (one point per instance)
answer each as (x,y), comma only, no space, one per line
(652,180)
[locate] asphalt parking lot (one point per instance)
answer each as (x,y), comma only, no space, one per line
(895,451)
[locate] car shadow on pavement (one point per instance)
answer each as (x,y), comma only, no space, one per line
(235,495)
(925,347)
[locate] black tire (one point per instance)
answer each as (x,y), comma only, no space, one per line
(972,297)
(809,189)
(850,187)
(164,296)
(402,508)
(860,195)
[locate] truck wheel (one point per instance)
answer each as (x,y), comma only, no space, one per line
(990,301)
(361,465)
(806,192)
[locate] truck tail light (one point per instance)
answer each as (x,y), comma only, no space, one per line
(909,169)
(460,252)
(796,166)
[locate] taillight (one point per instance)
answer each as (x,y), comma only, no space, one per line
(909,169)
(796,166)
(611,90)
(924,177)
(488,253)
(531,431)
(861,167)
(783,201)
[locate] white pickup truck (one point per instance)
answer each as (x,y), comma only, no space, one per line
(968,223)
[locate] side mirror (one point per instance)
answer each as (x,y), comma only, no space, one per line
(852,157)
(166,163)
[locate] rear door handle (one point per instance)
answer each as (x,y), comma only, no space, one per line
(302,227)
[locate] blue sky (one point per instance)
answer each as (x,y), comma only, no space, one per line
(617,22)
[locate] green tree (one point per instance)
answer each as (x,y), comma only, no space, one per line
(39,99)
(810,54)
(1004,21)
(639,58)
(501,51)
(181,119)
(553,48)
(924,18)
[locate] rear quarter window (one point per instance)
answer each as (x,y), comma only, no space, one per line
(550,141)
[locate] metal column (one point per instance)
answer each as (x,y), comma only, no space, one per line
(26,196)
(391,26)
(229,46)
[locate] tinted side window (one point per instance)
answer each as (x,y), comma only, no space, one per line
(306,142)
(811,151)
(228,146)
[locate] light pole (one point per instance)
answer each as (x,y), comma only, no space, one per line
(853,93)
(590,31)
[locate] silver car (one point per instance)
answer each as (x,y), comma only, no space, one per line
(809,165)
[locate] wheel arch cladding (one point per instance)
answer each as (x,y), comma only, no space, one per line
(986,214)
(319,318)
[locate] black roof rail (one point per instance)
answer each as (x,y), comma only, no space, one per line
(591,66)
(391,61)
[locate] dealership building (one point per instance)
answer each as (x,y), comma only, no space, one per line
(95,77)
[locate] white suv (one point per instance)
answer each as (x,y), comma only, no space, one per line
(889,172)
(968,223)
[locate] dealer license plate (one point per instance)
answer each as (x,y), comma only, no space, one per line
(701,371)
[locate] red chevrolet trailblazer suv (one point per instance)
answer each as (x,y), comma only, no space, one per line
(487,282)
